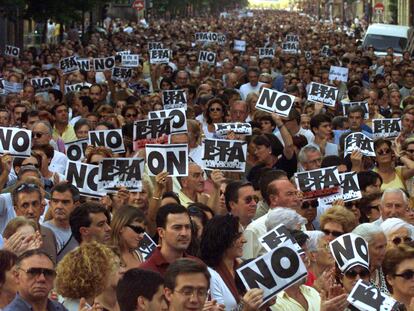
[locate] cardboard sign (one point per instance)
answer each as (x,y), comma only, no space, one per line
(323,93)
(290,47)
(171,158)
(76,87)
(102,64)
(12,51)
(178,119)
(15,141)
(146,246)
(111,139)
(121,172)
(130,60)
(366,297)
(159,56)
(338,73)
(151,131)
(75,150)
(266,52)
(387,128)
(350,190)
(174,99)
(325,51)
(207,57)
(318,183)
(210,37)
(68,64)
(239,45)
(155,45)
(222,129)
(126,52)
(274,271)
(225,155)
(121,74)
(41,84)
(272,239)
(12,87)
(274,101)
(359,141)
(350,250)
(363,105)
(84,177)
(292,38)
(84,64)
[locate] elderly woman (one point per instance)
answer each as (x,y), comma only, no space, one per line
(398,268)
(8,285)
(336,221)
(397,231)
(377,243)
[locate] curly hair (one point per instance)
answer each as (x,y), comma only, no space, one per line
(210,103)
(341,216)
(84,272)
(218,236)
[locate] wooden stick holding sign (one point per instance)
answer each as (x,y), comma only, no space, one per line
(84,177)
(178,118)
(225,155)
(366,297)
(274,101)
(15,141)
(323,93)
(318,183)
(171,158)
(111,139)
(359,141)
(151,131)
(387,128)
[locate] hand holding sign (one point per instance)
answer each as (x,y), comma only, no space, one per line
(253,298)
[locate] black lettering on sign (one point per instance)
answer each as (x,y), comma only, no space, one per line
(323,93)
(152,131)
(361,142)
(121,74)
(174,97)
(75,151)
(102,64)
(68,64)
(292,38)
(15,141)
(121,172)
(178,119)
(222,129)
(274,101)
(275,237)
(155,46)
(349,250)
(12,51)
(84,177)
(266,52)
(111,139)
(363,105)
(170,158)
(365,296)
(226,155)
(146,246)
(312,182)
(84,64)
(386,128)
(159,56)
(41,84)
(207,57)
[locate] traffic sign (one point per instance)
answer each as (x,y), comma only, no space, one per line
(138,5)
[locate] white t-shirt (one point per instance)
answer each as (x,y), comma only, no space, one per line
(62,235)
(58,163)
(247,88)
(220,292)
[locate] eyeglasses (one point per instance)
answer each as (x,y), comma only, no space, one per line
(398,240)
(136,229)
(130,115)
(333,233)
(26,186)
(384,151)
(251,198)
(36,272)
(309,204)
(351,274)
(201,293)
(406,275)
(37,134)
(215,109)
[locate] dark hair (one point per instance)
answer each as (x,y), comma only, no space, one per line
(381,141)
(7,261)
(393,257)
(53,110)
(317,120)
(80,217)
(232,192)
(332,160)
(109,125)
(205,208)
(87,101)
(184,266)
(338,121)
(135,283)
(210,103)
(269,141)
(81,122)
(268,118)
(128,107)
(195,211)
(25,188)
(171,194)
(47,149)
(33,252)
(218,236)
(267,178)
(368,178)
(164,211)
(356,108)
(56,93)
(294,115)
(63,187)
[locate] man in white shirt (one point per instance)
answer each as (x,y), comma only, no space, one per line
(293,125)
(394,203)
(254,85)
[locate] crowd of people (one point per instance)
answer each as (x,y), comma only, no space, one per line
(66,250)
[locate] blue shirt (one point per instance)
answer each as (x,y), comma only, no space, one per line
(20,304)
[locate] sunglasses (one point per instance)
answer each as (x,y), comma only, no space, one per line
(406,275)
(352,274)
(350,205)
(130,115)
(333,233)
(35,272)
(37,135)
(410,150)
(136,229)
(26,186)
(310,204)
(215,109)
(373,207)
(398,240)
(251,198)
(384,152)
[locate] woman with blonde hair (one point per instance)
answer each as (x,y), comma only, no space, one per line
(337,221)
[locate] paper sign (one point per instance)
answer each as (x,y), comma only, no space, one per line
(121,74)
(174,99)
(171,158)
(102,64)
(266,52)
(225,155)
(239,45)
(210,37)
(292,38)
(111,139)
(84,64)
(350,250)
(76,87)
(363,105)
(159,56)
(290,47)
(15,141)
(146,246)
(84,177)
(350,190)
(130,60)
(323,93)
(325,51)
(12,51)
(366,297)
(75,150)
(178,118)
(272,239)
(338,73)
(12,87)
(151,131)
(274,101)
(207,57)
(155,45)
(121,172)
(318,183)
(386,128)
(41,84)
(361,142)
(222,129)
(68,64)
(126,52)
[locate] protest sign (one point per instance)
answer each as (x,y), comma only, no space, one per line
(126,52)
(12,87)
(68,64)
(15,141)
(274,101)
(121,74)
(290,47)
(159,56)
(76,87)
(111,139)
(325,51)
(266,52)
(12,51)
(155,46)
(171,158)
(210,37)
(225,155)
(386,128)
(350,190)
(151,131)
(102,64)
(239,45)
(362,104)
(130,60)
(222,129)
(308,56)
(323,93)
(41,84)
(272,239)
(338,74)
(121,172)
(359,141)
(274,271)
(350,250)
(2,91)
(318,183)
(84,64)
(366,297)
(84,177)
(75,150)
(178,118)
(146,246)
(207,57)
(174,99)
(292,38)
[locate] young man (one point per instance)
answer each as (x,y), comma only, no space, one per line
(321,127)
(241,201)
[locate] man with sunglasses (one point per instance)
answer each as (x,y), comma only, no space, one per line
(35,274)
